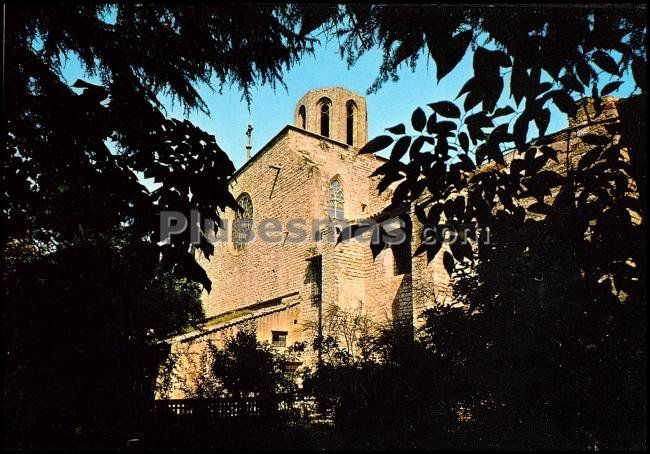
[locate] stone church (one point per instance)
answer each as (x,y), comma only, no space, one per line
(279,271)
(310,179)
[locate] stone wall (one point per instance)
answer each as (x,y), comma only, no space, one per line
(290,179)
(338,97)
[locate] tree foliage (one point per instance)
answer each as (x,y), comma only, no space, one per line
(81,327)
(555,306)
(73,151)
(88,290)
(245,368)
(551,56)
(558,361)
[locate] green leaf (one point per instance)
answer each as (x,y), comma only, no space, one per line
(376,144)
(418,119)
(446,109)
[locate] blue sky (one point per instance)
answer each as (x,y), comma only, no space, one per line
(271,110)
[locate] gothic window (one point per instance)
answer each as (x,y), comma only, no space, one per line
(243,223)
(336,200)
(349,109)
(325,107)
(302,115)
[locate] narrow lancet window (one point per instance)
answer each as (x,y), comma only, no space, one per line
(325,118)
(349,108)
(302,116)
(336,200)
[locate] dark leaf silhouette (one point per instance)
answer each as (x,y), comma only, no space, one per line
(549,152)
(590,157)
(540,208)
(605,62)
(570,82)
(584,71)
(447,51)
(448,262)
(376,144)
(538,318)
(377,244)
(517,166)
(502,111)
(467,162)
(418,119)
(397,129)
(493,152)
(464,141)
(352,231)
(564,102)
(639,72)
(519,82)
(520,131)
(611,87)
(400,148)
(443,127)
(388,179)
(475,93)
(542,119)
(446,109)
(595,139)
(416,146)
(431,123)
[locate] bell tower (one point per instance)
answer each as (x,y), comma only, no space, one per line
(335,112)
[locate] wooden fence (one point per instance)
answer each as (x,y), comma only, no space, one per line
(211,408)
(229,408)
